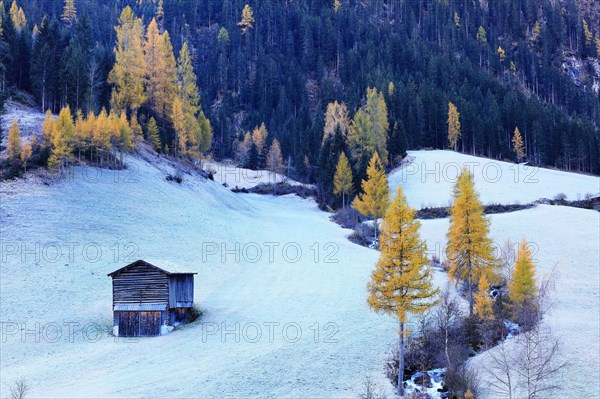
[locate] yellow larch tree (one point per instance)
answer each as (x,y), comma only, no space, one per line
(180,127)
(13,148)
(522,289)
(69,12)
(247,21)
(259,137)
(336,117)
(63,138)
(454,132)
(470,252)
(128,73)
(342,180)
(401,281)
(517,144)
(484,307)
(374,199)
(26,153)
(17,16)
(274,161)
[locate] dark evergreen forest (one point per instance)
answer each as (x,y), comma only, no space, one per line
(501,62)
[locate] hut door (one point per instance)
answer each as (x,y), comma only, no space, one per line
(129,324)
(149,323)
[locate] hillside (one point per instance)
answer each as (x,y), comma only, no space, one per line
(428,178)
(145,216)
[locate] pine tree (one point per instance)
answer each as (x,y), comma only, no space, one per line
(374,200)
(401,281)
(153,134)
(247,21)
(454,133)
(469,252)
(522,289)
(69,12)
(13,148)
(484,307)
(160,15)
(518,146)
(128,73)
(342,180)
(274,160)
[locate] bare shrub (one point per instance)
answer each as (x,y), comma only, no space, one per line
(19,390)
(528,366)
(371,389)
(460,379)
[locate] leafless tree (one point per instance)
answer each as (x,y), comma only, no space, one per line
(19,389)
(372,390)
(447,315)
(527,366)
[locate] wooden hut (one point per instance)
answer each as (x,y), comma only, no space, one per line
(149,300)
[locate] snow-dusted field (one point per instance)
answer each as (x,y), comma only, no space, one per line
(428,180)
(282,289)
(29,119)
(233,176)
(569,237)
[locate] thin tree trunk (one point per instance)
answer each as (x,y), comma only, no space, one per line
(401,361)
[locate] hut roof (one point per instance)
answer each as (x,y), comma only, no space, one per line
(172,268)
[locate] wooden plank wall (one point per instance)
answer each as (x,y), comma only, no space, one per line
(140,284)
(181,290)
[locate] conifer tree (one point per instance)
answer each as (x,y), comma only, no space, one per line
(483,302)
(13,148)
(469,253)
(180,127)
(274,160)
(374,199)
(17,16)
(342,180)
(128,73)
(136,128)
(186,82)
(401,281)
(69,12)
(161,74)
(336,117)
(247,21)
(453,126)
(47,128)
(522,289)
(206,133)
(26,153)
(518,146)
(63,137)
(153,134)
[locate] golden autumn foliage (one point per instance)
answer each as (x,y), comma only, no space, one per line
(375,197)
(342,179)
(336,117)
(69,12)
(13,148)
(401,281)
(247,21)
(454,132)
(259,137)
(26,152)
(469,253)
(484,307)
(522,288)
(517,143)
(128,74)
